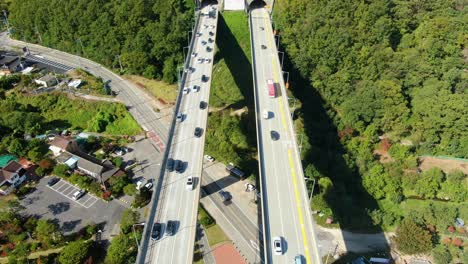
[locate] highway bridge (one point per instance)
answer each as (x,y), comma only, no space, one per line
(286,211)
(174,198)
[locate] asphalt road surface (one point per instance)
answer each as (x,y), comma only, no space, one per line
(178,203)
(138,103)
(285,203)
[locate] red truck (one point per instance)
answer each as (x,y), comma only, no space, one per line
(271,88)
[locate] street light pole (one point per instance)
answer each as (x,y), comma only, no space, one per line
(134,234)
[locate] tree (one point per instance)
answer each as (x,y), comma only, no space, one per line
(129,217)
(118,183)
(441,255)
(75,252)
(122,250)
(130,189)
(411,238)
(60,170)
(455,187)
(428,184)
(118,161)
(47,232)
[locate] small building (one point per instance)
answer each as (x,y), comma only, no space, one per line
(62,144)
(11,176)
(46,80)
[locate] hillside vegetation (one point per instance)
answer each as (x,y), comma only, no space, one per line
(147,35)
(381,79)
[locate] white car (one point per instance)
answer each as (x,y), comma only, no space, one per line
(278,245)
(185,90)
(212,26)
(199,34)
(200,60)
(139,184)
(194,54)
(207,60)
(189,184)
(205,26)
(195,88)
(209,158)
(266,114)
(149,185)
(179,118)
(77,195)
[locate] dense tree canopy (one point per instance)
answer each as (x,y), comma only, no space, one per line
(394,64)
(411,238)
(147,35)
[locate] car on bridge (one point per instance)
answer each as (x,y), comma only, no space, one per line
(278,245)
(156,231)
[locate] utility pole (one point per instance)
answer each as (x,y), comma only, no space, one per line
(120,63)
(6,21)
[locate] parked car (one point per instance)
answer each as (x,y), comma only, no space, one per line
(211,33)
(156,231)
(195,88)
(194,54)
(203,42)
(200,60)
(263,46)
(266,114)
(185,90)
(278,245)
(53,181)
(171,228)
(208,49)
(198,132)
(209,158)
(78,194)
(207,60)
(149,185)
(210,40)
(139,184)
(204,78)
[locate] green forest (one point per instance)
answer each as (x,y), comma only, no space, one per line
(382,79)
(147,35)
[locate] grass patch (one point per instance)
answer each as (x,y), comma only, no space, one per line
(232,75)
(90,83)
(61,111)
(204,217)
(159,89)
(215,235)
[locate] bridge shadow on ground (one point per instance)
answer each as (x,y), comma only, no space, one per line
(349,202)
(240,67)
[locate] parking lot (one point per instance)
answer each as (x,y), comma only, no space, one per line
(56,204)
(67,190)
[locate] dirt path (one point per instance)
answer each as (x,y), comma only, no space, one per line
(445,164)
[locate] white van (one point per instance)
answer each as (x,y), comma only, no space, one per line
(266,114)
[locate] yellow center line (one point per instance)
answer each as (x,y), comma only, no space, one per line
(290,157)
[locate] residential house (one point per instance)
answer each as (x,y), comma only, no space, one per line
(62,144)
(67,152)
(47,80)
(11,176)
(10,64)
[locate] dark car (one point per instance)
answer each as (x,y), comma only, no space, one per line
(198,132)
(204,78)
(170,165)
(179,166)
(156,231)
(53,181)
(226,196)
(274,135)
(211,33)
(171,228)
(208,49)
(203,104)
(264,47)
(210,40)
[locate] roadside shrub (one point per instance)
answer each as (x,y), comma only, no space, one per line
(142,198)
(40,171)
(60,170)
(130,189)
